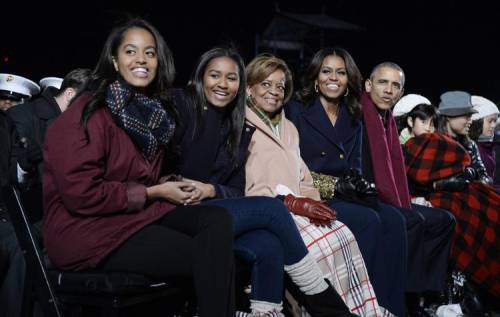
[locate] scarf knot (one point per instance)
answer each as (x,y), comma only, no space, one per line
(143,118)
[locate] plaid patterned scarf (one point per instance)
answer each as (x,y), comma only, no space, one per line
(144,119)
(273,124)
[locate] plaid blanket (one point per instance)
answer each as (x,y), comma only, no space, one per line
(338,255)
(476,248)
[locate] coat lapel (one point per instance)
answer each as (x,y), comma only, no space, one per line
(343,131)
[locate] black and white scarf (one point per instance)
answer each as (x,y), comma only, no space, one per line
(143,118)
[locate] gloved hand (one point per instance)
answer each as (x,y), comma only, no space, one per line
(317,212)
(469,174)
(453,183)
(30,154)
(352,184)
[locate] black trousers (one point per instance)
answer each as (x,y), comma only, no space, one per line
(430,235)
(12,271)
(190,241)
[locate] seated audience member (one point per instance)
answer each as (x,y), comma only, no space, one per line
(482,131)
(415,115)
(447,168)
(327,115)
(105,207)
(274,168)
(429,230)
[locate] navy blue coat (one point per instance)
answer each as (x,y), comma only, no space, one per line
(325,148)
(207,159)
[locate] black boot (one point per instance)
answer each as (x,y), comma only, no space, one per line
(327,304)
(471,303)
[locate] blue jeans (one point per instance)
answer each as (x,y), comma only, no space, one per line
(267,236)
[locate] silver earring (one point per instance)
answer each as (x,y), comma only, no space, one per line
(316,87)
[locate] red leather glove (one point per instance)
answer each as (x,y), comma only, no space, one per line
(317,212)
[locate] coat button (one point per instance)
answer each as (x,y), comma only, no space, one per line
(341,156)
(323,153)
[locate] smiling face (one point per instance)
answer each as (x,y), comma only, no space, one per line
(459,125)
(332,78)
(136,58)
(385,87)
(221,81)
(269,94)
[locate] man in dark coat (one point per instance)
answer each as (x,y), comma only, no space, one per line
(12,267)
(32,120)
(430,230)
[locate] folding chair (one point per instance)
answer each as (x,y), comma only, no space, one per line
(59,292)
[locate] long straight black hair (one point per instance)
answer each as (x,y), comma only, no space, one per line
(105,73)
(197,100)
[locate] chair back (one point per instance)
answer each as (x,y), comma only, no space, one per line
(29,243)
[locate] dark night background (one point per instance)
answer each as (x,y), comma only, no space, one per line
(441,45)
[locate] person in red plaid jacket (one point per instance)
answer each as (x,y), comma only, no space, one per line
(448,166)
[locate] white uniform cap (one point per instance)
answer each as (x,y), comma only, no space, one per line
(17,86)
(407,103)
(51,82)
(483,106)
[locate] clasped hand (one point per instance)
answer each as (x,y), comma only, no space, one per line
(183,191)
(353,184)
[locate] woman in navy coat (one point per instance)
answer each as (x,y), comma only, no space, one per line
(327,115)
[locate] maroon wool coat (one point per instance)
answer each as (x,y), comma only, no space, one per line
(94,188)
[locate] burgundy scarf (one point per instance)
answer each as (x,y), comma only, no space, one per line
(387,156)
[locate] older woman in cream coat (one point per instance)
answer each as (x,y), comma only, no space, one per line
(274,167)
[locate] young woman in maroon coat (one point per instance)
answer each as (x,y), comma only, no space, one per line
(105,204)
